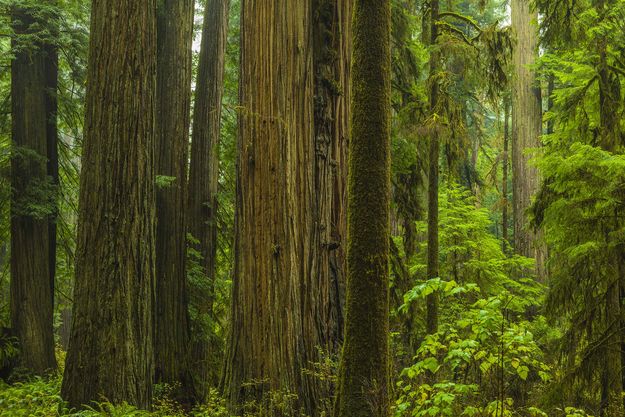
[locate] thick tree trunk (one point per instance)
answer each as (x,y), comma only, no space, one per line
(526,130)
(111,346)
(432,261)
(33,243)
(290,211)
(331,65)
(174,38)
(364,372)
(204,173)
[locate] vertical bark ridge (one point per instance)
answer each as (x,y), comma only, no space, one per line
(526,130)
(204,170)
(33,98)
(174,38)
(290,223)
(111,344)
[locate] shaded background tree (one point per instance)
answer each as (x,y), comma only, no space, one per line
(34,176)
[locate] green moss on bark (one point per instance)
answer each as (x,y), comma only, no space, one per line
(363,389)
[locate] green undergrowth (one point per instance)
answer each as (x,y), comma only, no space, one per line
(41,397)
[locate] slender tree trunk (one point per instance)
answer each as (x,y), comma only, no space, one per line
(551,85)
(612,401)
(526,130)
(204,173)
(52,83)
(609,96)
(111,345)
(432,261)
(364,371)
(33,243)
(504,185)
(290,213)
(173,98)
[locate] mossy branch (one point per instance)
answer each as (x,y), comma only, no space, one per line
(461,17)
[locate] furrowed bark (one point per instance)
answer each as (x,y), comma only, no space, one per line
(526,130)
(111,345)
(204,172)
(290,198)
(33,168)
(174,38)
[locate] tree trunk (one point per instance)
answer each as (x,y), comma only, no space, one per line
(504,182)
(331,65)
(290,197)
(364,371)
(173,98)
(33,97)
(111,346)
(204,173)
(612,384)
(432,261)
(609,96)
(526,130)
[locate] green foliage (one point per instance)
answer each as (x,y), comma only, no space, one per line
(164,181)
(9,350)
(40,397)
(469,253)
(488,354)
(484,353)
(581,203)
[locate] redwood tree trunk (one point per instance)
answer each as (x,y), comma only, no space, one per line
(290,213)
(526,129)
(204,173)
(174,38)
(111,345)
(33,243)
(331,66)
(364,372)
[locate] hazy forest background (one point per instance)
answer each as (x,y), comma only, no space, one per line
(275,208)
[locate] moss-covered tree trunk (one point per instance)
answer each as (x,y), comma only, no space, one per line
(34,171)
(364,369)
(111,345)
(526,130)
(433,175)
(504,181)
(204,172)
(612,377)
(173,110)
(289,235)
